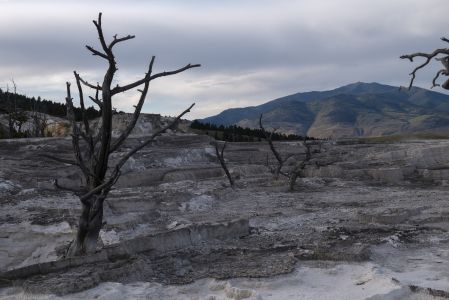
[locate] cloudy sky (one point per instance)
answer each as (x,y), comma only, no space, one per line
(251,51)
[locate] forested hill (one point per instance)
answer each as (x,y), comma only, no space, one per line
(235,133)
(10,102)
(355,110)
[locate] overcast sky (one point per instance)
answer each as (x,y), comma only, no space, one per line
(251,51)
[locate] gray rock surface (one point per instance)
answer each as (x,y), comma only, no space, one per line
(355,202)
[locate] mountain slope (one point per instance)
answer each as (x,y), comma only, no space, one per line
(358,109)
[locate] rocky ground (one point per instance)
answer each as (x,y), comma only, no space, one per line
(365,221)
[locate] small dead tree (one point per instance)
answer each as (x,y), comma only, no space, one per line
(93,149)
(40,121)
(16,117)
(301,165)
(10,114)
(441,55)
(220,156)
(11,110)
(280,160)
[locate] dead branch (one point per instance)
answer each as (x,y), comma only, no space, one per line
(119,40)
(97,87)
(220,156)
(96,52)
(120,89)
(81,97)
(96,100)
(276,154)
(76,132)
(301,165)
(427,59)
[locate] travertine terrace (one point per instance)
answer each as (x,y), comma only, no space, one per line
(374,215)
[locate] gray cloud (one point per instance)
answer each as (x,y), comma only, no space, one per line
(251,51)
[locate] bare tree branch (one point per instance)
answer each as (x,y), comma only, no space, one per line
(434,80)
(96,100)
(81,97)
(100,35)
(118,40)
(273,149)
(96,52)
(428,57)
(14,86)
(189,66)
(97,87)
(120,89)
(220,156)
(76,132)
(301,165)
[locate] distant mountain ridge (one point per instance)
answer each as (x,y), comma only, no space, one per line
(354,110)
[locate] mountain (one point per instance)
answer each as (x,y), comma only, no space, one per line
(354,110)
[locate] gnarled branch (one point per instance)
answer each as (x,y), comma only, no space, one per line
(96,52)
(428,57)
(81,97)
(278,157)
(96,100)
(76,132)
(120,89)
(94,87)
(100,35)
(301,165)
(118,40)
(220,156)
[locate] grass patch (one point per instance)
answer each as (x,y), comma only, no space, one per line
(406,137)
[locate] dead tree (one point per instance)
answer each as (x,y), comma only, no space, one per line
(280,161)
(16,117)
(10,114)
(92,149)
(40,124)
(301,165)
(11,110)
(220,156)
(441,55)
(40,121)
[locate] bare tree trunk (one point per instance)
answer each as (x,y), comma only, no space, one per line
(292,180)
(295,174)
(89,226)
